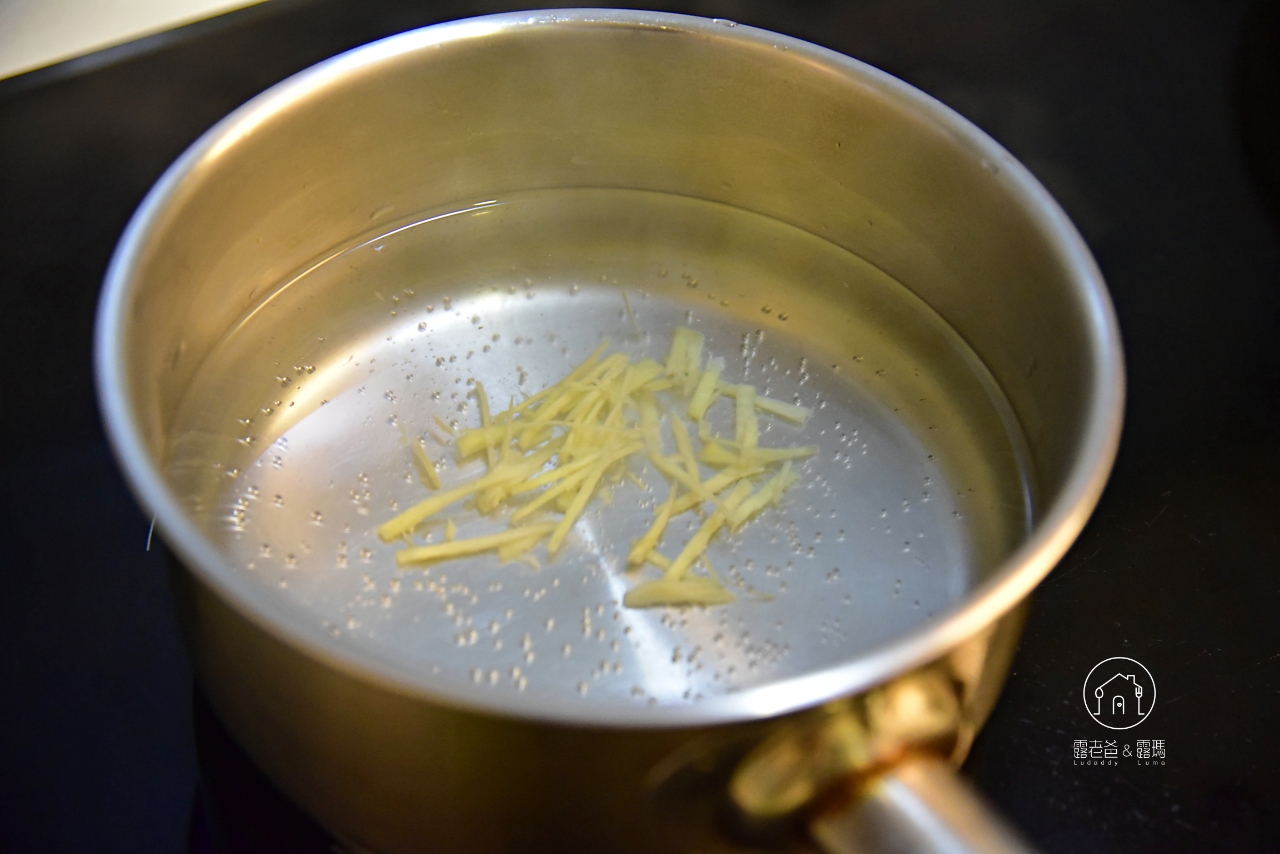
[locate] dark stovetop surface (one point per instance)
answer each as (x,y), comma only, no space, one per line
(1155,124)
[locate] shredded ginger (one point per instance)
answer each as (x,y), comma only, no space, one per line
(549,455)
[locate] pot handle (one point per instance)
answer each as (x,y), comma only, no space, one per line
(919,806)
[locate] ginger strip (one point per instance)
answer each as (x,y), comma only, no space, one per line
(474,441)
(470,546)
(553,493)
(426,468)
(791,411)
(690,591)
(562,442)
(579,502)
(519,549)
(684,446)
(746,429)
(482,400)
(642,547)
(702,538)
(409,519)
(717,453)
(714,485)
(707,389)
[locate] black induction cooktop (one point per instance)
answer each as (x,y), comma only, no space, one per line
(1155,124)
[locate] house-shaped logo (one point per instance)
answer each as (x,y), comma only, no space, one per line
(1119,693)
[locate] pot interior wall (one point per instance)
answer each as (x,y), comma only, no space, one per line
(460,117)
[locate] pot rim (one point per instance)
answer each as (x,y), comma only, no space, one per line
(984,605)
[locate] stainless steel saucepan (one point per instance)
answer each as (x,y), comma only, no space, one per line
(322,279)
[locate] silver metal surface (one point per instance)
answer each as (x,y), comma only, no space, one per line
(291,447)
(791,203)
(920,806)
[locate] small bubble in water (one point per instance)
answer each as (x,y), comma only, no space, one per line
(567,650)
(422,327)
(582,688)
(366,555)
(766,309)
(317,517)
(551,623)
(477,675)
(278,501)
